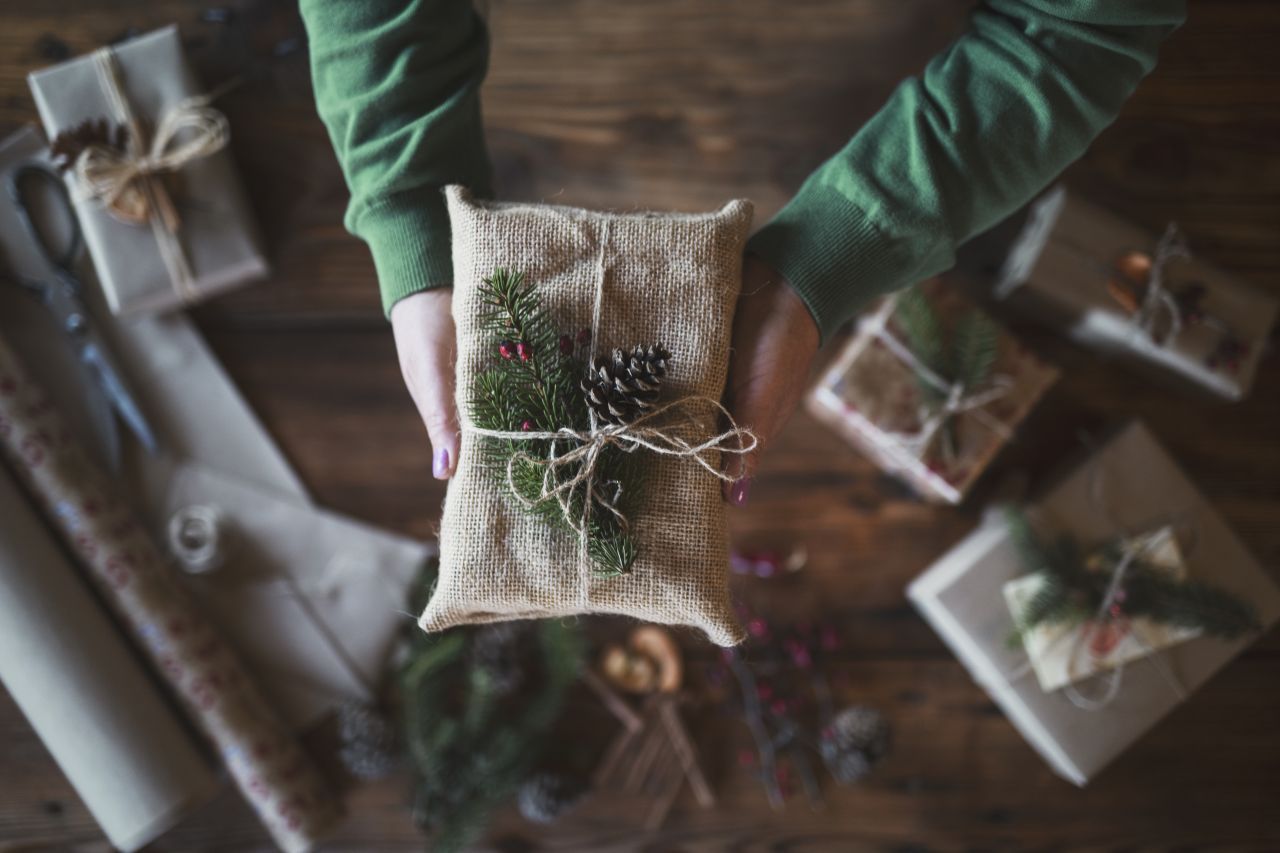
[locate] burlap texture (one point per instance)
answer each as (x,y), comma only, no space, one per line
(667,278)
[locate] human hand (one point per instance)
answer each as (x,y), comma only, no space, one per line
(427,346)
(774,343)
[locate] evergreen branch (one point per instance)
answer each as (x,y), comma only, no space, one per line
(975,344)
(471,748)
(923,332)
(540,392)
(1074,587)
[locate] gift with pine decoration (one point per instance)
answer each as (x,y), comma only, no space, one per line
(1093,612)
(592,355)
(930,388)
(1122,289)
(144,152)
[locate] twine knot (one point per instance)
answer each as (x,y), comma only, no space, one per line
(957,398)
(581,461)
(118,178)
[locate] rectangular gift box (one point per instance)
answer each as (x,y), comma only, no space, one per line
(216,232)
(872,396)
(1130,484)
(1078,266)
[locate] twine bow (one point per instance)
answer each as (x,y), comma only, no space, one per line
(126,182)
(956,398)
(583,458)
(1157,304)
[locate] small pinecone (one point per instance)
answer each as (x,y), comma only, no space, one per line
(545,796)
(496,651)
(623,386)
(66,146)
(370,745)
(854,742)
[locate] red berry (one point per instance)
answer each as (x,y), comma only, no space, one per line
(526,425)
(584,337)
(566,345)
(778,707)
(524,350)
(506,349)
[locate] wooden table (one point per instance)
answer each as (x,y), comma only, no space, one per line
(682,104)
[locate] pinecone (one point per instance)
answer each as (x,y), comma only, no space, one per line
(854,742)
(68,145)
(496,652)
(545,796)
(370,744)
(625,385)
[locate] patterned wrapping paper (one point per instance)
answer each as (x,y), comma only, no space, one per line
(872,397)
(272,772)
(121,744)
(1064,269)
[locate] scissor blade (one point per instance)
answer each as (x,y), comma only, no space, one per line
(125,404)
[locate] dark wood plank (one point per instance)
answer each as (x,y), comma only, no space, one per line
(681,104)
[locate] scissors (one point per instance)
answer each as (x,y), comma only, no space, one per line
(33,187)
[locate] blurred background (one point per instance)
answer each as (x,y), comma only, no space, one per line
(682,104)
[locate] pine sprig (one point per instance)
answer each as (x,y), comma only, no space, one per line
(1074,586)
(531,385)
(469,747)
(966,357)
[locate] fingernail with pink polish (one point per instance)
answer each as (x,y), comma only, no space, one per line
(440,464)
(738,494)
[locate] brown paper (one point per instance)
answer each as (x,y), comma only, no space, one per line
(1060,268)
(107,724)
(1131,484)
(872,397)
(217,231)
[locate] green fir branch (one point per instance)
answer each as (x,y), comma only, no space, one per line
(542,390)
(469,747)
(1074,587)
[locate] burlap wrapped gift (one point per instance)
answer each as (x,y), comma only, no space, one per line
(666,278)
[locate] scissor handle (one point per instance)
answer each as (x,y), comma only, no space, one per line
(22,187)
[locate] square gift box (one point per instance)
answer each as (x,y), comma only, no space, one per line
(914,415)
(1123,289)
(1129,485)
(180,233)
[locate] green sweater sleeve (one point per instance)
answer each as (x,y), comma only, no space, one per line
(992,120)
(397,83)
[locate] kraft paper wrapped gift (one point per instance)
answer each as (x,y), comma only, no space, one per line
(208,431)
(155,265)
(873,395)
(1130,484)
(1082,268)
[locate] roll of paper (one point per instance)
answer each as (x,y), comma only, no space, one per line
(122,747)
(122,561)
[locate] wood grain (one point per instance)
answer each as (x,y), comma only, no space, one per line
(681,104)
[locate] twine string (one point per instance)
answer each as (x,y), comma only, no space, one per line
(190,131)
(577,467)
(1135,545)
(957,399)
(1157,301)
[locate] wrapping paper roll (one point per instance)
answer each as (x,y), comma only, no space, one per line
(268,766)
(122,747)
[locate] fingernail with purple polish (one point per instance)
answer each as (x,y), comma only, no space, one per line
(440,464)
(738,494)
